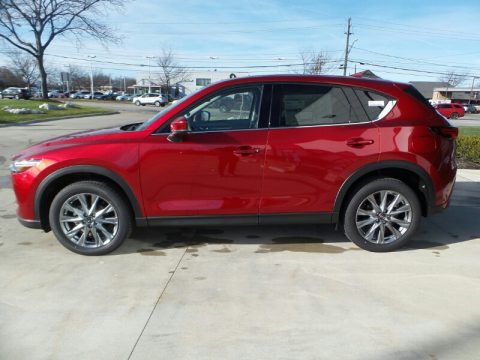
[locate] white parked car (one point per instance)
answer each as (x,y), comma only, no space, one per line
(150,99)
(79,94)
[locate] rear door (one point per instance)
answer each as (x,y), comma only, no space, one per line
(319,135)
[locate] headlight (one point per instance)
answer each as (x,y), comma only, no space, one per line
(23,165)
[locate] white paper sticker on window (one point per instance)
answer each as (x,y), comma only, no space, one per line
(375,103)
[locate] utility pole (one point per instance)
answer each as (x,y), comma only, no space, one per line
(347,46)
(149,74)
(91,57)
(471,90)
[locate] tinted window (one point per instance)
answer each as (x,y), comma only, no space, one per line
(444,106)
(412,91)
(373,103)
(203,82)
(231,110)
(307,105)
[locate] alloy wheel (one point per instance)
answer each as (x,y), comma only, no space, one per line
(88,220)
(383,217)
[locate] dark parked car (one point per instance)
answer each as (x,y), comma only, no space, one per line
(15,93)
(372,156)
(470,108)
(111,96)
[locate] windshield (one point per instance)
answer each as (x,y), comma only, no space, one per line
(157,115)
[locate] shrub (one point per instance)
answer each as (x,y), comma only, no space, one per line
(468,147)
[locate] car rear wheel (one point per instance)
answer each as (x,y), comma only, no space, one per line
(382,215)
(454,116)
(90,218)
(17,97)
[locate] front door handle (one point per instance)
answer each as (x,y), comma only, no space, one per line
(246,150)
(359,142)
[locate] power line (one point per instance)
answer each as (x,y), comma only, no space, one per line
(361,62)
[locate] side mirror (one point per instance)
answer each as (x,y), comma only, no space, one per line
(201,117)
(178,128)
(205,116)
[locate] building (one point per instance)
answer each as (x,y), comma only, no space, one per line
(366,74)
(196,80)
(458,95)
(426,87)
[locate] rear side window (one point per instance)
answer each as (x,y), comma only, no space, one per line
(309,105)
(374,103)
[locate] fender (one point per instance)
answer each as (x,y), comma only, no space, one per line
(429,190)
(92,169)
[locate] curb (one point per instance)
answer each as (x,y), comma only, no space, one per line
(29,122)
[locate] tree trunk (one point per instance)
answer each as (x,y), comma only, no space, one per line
(43,76)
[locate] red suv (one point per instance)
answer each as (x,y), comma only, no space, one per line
(451,111)
(372,156)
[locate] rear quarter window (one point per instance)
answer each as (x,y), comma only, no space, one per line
(373,103)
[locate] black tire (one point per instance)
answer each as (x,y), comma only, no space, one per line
(106,196)
(157,103)
(17,97)
(137,103)
(394,235)
(454,116)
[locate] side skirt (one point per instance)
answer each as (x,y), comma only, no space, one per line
(226,220)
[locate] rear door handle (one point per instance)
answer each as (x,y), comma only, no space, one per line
(359,142)
(245,150)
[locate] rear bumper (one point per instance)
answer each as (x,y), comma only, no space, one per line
(31,224)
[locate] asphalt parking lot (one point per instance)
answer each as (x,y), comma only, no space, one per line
(283,292)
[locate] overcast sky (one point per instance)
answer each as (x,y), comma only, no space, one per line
(435,36)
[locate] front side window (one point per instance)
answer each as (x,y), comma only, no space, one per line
(308,105)
(231,110)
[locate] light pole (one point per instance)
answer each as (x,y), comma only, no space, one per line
(91,57)
(149,74)
(213,58)
(471,90)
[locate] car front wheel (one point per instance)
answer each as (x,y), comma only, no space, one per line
(382,215)
(454,116)
(137,103)
(90,218)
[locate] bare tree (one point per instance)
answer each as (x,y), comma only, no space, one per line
(32,25)
(79,79)
(170,71)
(453,79)
(9,78)
(25,67)
(315,63)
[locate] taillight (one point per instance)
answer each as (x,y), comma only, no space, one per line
(448,132)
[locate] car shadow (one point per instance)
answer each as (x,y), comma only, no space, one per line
(458,223)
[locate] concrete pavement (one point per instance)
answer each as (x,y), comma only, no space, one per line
(280,292)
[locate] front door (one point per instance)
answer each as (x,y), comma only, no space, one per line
(216,169)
